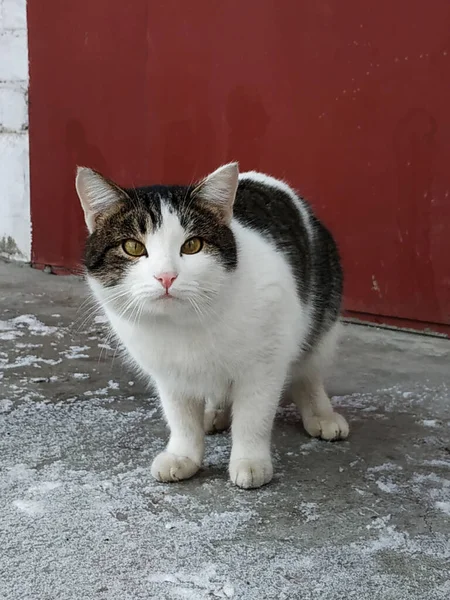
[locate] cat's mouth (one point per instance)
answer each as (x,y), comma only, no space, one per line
(166,296)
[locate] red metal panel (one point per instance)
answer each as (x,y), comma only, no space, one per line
(88,105)
(348,101)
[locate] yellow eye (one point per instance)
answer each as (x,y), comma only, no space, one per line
(192,246)
(134,248)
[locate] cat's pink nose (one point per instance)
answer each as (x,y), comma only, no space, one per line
(166,279)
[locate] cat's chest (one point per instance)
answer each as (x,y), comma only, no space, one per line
(161,351)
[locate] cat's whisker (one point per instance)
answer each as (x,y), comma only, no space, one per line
(135,200)
(196,308)
(139,314)
(135,311)
(129,306)
(203,310)
(189,190)
(126,307)
(100,308)
(206,305)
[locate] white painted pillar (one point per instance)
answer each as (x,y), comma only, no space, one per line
(15,223)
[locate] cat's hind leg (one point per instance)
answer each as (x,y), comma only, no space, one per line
(319,418)
(217,413)
(308,393)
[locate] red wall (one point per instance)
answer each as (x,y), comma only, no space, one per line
(349,101)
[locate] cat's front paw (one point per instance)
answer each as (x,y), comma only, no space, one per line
(330,427)
(169,467)
(246,473)
(217,420)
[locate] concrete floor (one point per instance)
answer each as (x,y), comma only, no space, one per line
(81,517)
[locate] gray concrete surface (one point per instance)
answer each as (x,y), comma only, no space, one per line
(81,517)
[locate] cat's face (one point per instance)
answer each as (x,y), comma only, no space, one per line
(159,250)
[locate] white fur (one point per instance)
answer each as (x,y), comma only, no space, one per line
(225,339)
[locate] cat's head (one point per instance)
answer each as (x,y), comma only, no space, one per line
(160,250)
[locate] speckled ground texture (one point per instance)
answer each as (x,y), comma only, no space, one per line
(81,517)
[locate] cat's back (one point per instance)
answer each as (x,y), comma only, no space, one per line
(281,217)
(272,207)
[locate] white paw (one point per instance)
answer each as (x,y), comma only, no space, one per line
(170,467)
(330,427)
(217,420)
(246,473)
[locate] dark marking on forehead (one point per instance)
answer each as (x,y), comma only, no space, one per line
(142,222)
(148,203)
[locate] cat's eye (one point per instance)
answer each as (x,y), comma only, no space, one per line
(134,248)
(192,246)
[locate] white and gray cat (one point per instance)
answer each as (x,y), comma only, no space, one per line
(223,294)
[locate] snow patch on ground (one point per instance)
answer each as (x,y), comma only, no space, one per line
(387,486)
(29,507)
(444,506)
(75,352)
(309,510)
(18,326)
(6,405)
(389,466)
(100,319)
(30,360)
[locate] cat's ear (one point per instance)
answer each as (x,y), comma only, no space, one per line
(96,194)
(219,190)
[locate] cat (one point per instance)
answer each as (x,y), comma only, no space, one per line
(223,294)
